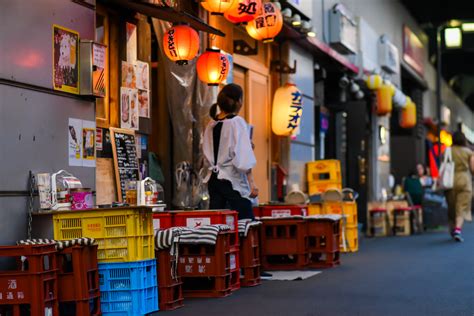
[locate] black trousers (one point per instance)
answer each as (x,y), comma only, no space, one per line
(223,196)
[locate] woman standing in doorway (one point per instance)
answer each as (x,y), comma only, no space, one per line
(459,197)
(228,151)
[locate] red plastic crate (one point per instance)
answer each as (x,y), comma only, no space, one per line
(323,235)
(235,270)
(161,221)
(251,276)
(324,259)
(281,210)
(218,286)
(171,297)
(199,260)
(164,264)
(78,279)
(195,219)
(33,283)
(250,248)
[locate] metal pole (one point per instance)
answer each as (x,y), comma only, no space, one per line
(439,75)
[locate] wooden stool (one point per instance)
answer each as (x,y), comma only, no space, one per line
(378,220)
(402,218)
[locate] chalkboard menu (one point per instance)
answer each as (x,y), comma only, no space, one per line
(125,159)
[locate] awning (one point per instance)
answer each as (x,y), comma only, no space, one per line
(164,13)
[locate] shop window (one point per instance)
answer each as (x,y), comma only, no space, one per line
(102,36)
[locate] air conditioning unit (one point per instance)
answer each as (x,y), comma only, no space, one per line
(389,59)
(343,30)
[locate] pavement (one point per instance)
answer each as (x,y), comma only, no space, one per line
(426,274)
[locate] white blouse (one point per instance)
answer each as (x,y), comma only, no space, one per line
(235,157)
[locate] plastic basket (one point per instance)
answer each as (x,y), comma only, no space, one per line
(315,209)
(128,288)
(281,210)
(122,234)
(348,209)
(319,187)
(162,221)
(324,170)
(351,239)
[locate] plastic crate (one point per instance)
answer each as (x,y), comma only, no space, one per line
(378,222)
(124,234)
(194,219)
(282,210)
(251,276)
(323,235)
(199,260)
(33,285)
(161,221)
(218,286)
(164,264)
(351,239)
(250,248)
(128,288)
(315,209)
(348,209)
(402,225)
(319,187)
(324,170)
(171,297)
(78,266)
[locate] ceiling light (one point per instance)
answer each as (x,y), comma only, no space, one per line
(311,34)
(306,26)
(287,14)
(296,20)
(453,37)
(468,27)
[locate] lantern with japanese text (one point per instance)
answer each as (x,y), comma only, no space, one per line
(267,24)
(181,44)
(287,110)
(408,115)
(243,11)
(374,82)
(212,67)
(384,99)
(217,7)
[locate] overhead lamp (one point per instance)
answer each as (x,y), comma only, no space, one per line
(306,26)
(467,27)
(453,37)
(311,33)
(287,14)
(296,20)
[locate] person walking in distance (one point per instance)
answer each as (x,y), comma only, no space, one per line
(460,196)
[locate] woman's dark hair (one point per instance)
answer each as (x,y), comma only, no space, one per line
(213,111)
(229,98)
(459,139)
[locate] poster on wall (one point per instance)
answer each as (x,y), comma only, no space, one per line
(65,59)
(88,143)
(128,108)
(144,103)
(99,78)
(131,42)
(75,142)
(143,85)
(129,77)
(81,143)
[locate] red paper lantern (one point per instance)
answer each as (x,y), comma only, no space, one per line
(408,115)
(212,67)
(243,11)
(181,44)
(217,7)
(267,24)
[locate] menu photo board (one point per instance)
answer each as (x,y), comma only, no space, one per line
(124,151)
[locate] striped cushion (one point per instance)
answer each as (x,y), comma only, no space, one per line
(60,245)
(245,224)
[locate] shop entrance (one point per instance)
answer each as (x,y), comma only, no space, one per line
(256,112)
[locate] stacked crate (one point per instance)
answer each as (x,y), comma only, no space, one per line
(125,252)
(250,254)
(323,175)
(349,228)
(32,287)
(299,243)
(280,210)
(208,270)
(170,286)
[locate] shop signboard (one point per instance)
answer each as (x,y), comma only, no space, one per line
(413,51)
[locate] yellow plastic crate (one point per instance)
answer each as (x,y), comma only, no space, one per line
(122,234)
(351,239)
(348,209)
(324,170)
(319,187)
(315,209)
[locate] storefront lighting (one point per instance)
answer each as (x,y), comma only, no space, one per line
(287,110)
(374,82)
(311,34)
(181,44)
(243,11)
(468,27)
(384,99)
(217,7)
(267,25)
(296,20)
(453,37)
(212,67)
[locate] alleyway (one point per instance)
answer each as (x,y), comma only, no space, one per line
(418,275)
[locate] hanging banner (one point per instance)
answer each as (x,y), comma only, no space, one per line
(65,59)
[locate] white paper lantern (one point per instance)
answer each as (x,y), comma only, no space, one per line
(287,110)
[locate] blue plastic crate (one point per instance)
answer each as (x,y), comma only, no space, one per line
(128,288)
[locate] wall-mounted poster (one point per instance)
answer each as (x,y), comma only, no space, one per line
(88,143)
(81,143)
(144,103)
(143,85)
(129,77)
(65,59)
(74,142)
(129,108)
(131,42)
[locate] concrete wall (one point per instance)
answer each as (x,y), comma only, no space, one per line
(33,117)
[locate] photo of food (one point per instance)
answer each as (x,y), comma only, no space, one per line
(142,75)
(125,107)
(144,103)
(129,78)
(133,109)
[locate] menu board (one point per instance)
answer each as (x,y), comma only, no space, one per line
(125,158)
